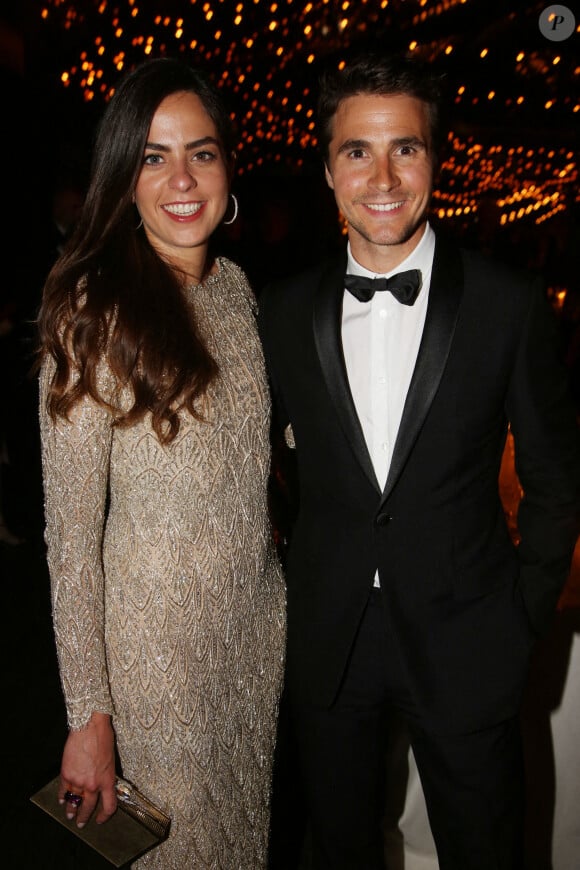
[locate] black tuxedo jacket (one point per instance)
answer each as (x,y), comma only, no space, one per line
(462,601)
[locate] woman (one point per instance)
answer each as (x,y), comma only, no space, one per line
(167,595)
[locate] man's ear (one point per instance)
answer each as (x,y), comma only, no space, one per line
(328,176)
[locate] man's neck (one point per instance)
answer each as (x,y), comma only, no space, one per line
(383,259)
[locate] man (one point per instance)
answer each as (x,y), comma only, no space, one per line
(405,592)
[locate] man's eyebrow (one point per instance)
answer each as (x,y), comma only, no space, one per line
(410,140)
(190,146)
(353,144)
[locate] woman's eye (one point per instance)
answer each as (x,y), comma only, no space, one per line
(204,156)
(152,159)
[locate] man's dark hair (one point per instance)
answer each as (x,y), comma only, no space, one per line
(379,73)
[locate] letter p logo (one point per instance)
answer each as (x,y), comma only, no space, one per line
(557,23)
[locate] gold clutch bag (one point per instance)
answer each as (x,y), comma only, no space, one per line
(136,805)
(137,826)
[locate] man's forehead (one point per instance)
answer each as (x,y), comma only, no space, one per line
(365,117)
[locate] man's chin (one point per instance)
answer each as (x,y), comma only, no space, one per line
(390,238)
(401,235)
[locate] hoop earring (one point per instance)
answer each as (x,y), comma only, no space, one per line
(227,223)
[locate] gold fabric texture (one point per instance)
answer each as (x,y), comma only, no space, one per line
(168,599)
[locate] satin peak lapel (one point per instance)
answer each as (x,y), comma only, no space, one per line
(327,336)
(445,295)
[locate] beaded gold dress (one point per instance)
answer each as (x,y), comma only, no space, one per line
(168,599)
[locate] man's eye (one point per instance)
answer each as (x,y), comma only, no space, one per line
(407,150)
(357,153)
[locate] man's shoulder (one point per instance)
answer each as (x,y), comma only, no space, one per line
(480,261)
(291,298)
(306,279)
(486,269)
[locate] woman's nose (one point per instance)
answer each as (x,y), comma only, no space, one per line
(182,177)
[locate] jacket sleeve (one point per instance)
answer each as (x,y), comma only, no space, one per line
(547,457)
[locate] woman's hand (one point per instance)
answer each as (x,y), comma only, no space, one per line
(88,771)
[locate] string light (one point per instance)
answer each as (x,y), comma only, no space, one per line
(270,68)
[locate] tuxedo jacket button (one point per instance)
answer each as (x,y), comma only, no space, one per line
(383,519)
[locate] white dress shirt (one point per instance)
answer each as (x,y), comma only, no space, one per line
(380,341)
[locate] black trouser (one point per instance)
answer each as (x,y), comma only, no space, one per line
(473,783)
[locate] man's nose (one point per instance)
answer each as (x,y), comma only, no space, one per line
(384,174)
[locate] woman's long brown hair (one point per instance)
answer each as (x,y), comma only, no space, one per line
(110,295)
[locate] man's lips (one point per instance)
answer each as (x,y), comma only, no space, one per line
(383,207)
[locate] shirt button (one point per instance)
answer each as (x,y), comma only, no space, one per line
(384,446)
(382,380)
(383,313)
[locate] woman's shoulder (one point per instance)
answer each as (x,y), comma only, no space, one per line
(229,269)
(236,279)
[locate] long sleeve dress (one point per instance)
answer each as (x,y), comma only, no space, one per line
(168,599)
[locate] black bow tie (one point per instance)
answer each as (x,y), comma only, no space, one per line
(404,286)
